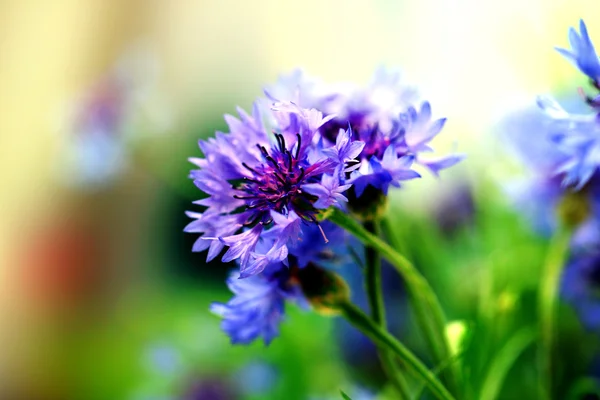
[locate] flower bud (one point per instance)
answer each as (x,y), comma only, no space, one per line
(574,208)
(325,290)
(370,206)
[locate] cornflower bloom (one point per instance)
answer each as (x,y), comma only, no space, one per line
(258,305)
(577,135)
(386,116)
(541,193)
(264,188)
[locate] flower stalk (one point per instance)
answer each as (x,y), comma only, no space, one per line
(376,304)
(427,309)
(548,296)
(380,336)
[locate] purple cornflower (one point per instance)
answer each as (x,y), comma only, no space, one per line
(581,288)
(258,305)
(383,116)
(263,186)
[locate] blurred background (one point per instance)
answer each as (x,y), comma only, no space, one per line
(101,104)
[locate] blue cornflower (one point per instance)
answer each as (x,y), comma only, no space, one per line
(383,116)
(582,52)
(329,191)
(260,186)
(577,137)
(258,306)
(530,134)
(581,288)
(312,248)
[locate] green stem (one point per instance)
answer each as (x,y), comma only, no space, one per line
(376,304)
(548,295)
(503,362)
(381,337)
(427,309)
(373,279)
(434,331)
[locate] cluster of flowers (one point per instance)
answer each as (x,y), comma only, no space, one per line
(563,150)
(305,147)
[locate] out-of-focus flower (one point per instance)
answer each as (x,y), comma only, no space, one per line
(581,288)
(456,209)
(541,194)
(256,378)
(582,52)
(258,306)
(210,388)
(163,358)
(108,118)
(262,188)
(576,136)
(98,152)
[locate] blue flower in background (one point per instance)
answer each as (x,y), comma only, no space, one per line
(257,378)
(530,135)
(581,288)
(582,52)
(577,137)
(257,307)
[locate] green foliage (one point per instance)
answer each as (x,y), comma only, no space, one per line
(344,395)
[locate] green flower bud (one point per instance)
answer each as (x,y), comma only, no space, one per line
(574,208)
(370,206)
(325,290)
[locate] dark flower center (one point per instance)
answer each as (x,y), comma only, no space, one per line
(375,141)
(276,184)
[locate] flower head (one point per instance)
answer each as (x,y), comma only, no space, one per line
(257,307)
(261,186)
(582,52)
(381,115)
(577,138)
(542,195)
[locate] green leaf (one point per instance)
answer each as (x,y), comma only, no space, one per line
(344,395)
(582,387)
(503,362)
